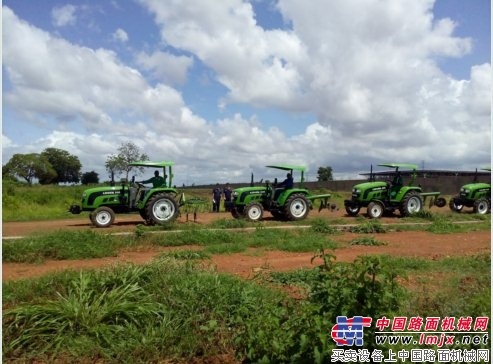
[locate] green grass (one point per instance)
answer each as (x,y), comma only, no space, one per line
(172,310)
(62,245)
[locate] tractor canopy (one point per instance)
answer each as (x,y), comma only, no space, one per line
(400,165)
(290,168)
(162,164)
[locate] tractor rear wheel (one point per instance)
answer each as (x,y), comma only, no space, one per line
(161,208)
(102,217)
(375,210)
(297,207)
(412,203)
(454,206)
(481,206)
(253,211)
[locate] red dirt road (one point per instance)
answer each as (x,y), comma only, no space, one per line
(253,261)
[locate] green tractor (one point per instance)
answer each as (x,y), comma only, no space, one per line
(155,205)
(381,197)
(283,201)
(476,195)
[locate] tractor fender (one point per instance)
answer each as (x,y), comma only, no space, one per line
(404,191)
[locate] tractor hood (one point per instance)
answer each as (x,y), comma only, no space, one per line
(107,189)
(260,189)
(476,186)
(366,185)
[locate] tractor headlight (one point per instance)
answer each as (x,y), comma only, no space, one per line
(356,190)
(235,194)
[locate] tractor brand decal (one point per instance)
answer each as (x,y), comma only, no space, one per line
(379,188)
(111,192)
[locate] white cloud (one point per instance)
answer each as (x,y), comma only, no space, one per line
(165,66)
(253,63)
(84,86)
(367,70)
(64,15)
(120,35)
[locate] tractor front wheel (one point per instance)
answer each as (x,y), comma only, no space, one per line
(375,210)
(297,207)
(143,214)
(352,210)
(454,206)
(102,217)
(411,204)
(237,211)
(161,208)
(254,211)
(481,206)
(440,202)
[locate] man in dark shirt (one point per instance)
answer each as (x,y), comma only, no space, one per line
(287,183)
(227,197)
(157,180)
(216,198)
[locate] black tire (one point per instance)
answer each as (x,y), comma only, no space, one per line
(412,203)
(297,207)
(143,214)
(102,217)
(375,210)
(440,202)
(454,206)
(253,211)
(481,206)
(278,215)
(161,208)
(235,213)
(352,211)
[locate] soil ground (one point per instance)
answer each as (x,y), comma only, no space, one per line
(253,261)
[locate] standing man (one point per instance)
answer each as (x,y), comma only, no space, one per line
(216,198)
(227,197)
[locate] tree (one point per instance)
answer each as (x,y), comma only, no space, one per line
(127,153)
(30,166)
(89,177)
(67,166)
(324,174)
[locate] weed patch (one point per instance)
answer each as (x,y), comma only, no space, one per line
(367,240)
(368,227)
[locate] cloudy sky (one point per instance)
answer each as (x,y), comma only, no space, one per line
(224,88)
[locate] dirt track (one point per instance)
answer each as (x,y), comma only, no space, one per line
(247,264)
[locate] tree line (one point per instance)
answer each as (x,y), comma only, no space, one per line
(54,166)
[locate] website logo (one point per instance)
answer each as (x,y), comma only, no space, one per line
(349,331)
